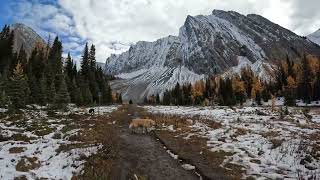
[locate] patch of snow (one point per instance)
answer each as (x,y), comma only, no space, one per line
(102,110)
(188,167)
(313,103)
(170,128)
(174,156)
(3,110)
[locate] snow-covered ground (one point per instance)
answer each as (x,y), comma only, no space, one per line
(98,110)
(267,144)
(279,101)
(32,144)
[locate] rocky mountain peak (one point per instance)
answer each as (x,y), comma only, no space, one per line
(205,45)
(26,37)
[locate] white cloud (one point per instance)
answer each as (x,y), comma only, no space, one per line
(44,18)
(60,24)
(305,16)
(127,21)
(114,24)
(70,45)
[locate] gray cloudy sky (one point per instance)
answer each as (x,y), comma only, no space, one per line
(114,24)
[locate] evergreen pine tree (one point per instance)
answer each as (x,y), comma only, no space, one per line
(51,93)
(104,93)
(167,100)
(92,57)
(227,97)
(177,94)
(86,94)
(209,91)
(85,62)
(265,95)
(73,90)
(6,50)
(74,71)
(78,97)
(35,89)
(13,63)
(109,94)
(62,97)
(43,91)
(306,82)
(3,96)
(120,98)
(17,88)
(157,99)
(69,67)
(317,84)
(55,57)
(187,91)
(258,98)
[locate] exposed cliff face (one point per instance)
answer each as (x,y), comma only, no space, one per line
(205,45)
(26,37)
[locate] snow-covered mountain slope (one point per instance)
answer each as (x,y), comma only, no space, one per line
(26,37)
(265,71)
(315,37)
(155,80)
(207,45)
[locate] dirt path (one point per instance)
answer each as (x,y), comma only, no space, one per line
(142,155)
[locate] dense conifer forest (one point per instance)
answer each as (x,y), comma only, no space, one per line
(45,77)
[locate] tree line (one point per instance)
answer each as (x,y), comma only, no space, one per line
(293,80)
(45,77)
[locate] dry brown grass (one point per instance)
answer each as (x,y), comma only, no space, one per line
(212,124)
(256,161)
(181,123)
(271,134)
(240,132)
(16,150)
(21,137)
(100,165)
(21,178)
(28,163)
(276,143)
(176,121)
(273,137)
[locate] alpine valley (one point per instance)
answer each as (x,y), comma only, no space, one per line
(222,42)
